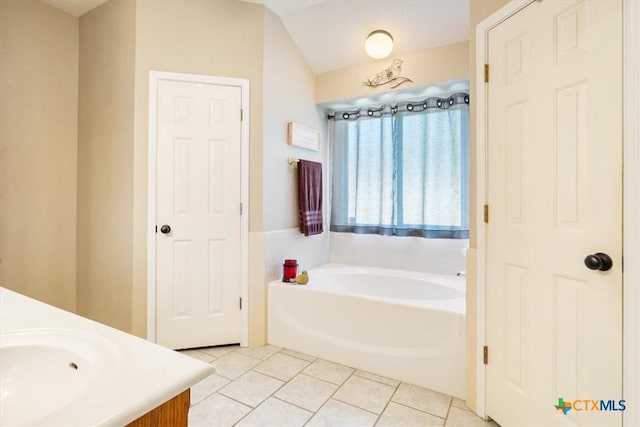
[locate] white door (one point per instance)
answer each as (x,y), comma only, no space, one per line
(555,196)
(198,198)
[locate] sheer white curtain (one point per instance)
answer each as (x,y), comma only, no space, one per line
(403,169)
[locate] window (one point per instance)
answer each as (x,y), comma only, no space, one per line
(403,169)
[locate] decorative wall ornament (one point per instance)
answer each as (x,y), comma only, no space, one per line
(390,76)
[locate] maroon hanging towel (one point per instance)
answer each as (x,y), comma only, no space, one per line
(310,197)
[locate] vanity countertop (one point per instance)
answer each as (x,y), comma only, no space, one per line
(95,375)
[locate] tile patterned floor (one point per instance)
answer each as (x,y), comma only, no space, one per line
(274,387)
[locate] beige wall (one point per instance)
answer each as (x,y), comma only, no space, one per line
(289,95)
(38,141)
(221,38)
(431,66)
(478,11)
(105,163)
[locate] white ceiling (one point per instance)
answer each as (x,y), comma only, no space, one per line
(331,33)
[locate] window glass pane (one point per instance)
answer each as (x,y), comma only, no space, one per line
(371,162)
(431,169)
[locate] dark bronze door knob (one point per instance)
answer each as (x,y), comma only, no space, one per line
(599,261)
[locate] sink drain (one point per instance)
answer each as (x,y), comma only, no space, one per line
(73,365)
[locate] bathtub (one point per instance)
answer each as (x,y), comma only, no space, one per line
(405,325)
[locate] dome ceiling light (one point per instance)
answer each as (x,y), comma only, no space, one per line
(379,44)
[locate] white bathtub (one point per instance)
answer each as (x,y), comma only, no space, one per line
(404,325)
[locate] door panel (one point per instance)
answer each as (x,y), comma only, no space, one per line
(554,187)
(199,167)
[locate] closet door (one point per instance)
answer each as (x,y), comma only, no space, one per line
(554,320)
(198,214)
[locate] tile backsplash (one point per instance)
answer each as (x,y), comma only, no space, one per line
(310,251)
(442,256)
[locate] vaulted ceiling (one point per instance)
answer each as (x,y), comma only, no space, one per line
(331,33)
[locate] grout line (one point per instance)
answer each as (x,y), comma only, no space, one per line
(253,408)
(293,404)
(248,413)
(379,382)
(446,418)
(233,398)
(416,409)
(238,350)
(284,383)
(356,406)
(276,378)
(388,401)
(201,352)
(280,379)
(237,401)
(297,357)
(206,397)
(248,355)
(330,396)
(315,412)
(347,403)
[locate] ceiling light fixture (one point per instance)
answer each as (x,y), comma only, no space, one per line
(379,44)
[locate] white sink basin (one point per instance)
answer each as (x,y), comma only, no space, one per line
(61,369)
(45,371)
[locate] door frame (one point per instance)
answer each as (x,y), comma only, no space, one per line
(243,84)
(631,200)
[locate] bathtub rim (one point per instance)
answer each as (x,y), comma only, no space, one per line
(455,282)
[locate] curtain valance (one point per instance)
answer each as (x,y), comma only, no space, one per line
(419,106)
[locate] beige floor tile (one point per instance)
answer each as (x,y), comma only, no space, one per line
(217,411)
(207,387)
(402,416)
(366,394)
(264,352)
(338,414)
(197,354)
(459,403)
(220,350)
(281,366)
(329,371)
(274,412)
(307,392)
(375,377)
(461,418)
(252,388)
(297,354)
(422,399)
(234,364)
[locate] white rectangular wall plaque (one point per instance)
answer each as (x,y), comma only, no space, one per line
(304,137)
